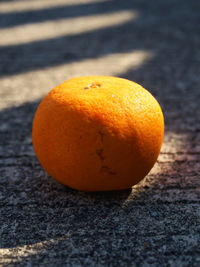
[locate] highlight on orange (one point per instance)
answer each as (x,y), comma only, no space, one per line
(98,133)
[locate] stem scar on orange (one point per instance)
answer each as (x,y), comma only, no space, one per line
(98,133)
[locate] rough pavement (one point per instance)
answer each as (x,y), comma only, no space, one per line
(155,43)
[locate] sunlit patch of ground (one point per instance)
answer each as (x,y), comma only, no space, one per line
(39,82)
(69,26)
(31,5)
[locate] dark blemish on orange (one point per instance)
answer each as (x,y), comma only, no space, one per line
(93,85)
(99,152)
(101,135)
(108,170)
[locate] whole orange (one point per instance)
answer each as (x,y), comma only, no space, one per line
(98,133)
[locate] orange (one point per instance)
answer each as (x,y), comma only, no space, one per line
(98,133)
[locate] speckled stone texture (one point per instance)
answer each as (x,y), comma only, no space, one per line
(155,43)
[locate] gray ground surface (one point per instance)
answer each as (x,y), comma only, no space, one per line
(155,43)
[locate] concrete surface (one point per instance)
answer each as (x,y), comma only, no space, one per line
(155,43)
